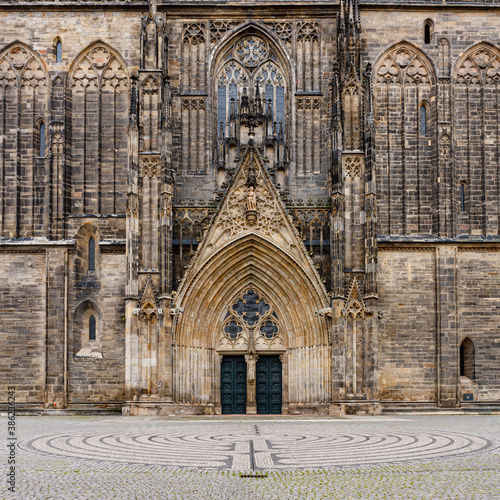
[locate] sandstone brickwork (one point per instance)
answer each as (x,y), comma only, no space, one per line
(335,166)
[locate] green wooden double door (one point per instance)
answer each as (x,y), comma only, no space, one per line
(268,385)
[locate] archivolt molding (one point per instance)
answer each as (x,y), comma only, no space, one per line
(272,224)
(480,64)
(404,64)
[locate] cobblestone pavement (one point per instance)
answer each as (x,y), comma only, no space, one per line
(400,457)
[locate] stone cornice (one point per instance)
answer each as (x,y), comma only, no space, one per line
(252,3)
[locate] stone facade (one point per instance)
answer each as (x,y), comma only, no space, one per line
(188,184)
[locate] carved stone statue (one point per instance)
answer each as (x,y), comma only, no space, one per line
(251,200)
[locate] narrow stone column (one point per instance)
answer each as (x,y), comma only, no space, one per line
(251,360)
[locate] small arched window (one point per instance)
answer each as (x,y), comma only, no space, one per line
(59,51)
(467,359)
(428,29)
(462,197)
(41,151)
(92,328)
(91,254)
(423,120)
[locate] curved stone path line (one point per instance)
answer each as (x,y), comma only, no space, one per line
(269,451)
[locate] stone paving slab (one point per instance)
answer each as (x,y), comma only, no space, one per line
(432,457)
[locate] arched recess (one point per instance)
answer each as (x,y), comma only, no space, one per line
(403,78)
(467,359)
(99,106)
(24,101)
(83,345)
(87,275)
(242,263)
(476,137)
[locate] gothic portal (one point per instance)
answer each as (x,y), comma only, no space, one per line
(261,208)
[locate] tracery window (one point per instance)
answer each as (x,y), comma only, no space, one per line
(251,311)
(250,67)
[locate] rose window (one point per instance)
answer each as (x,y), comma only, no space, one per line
(251,51)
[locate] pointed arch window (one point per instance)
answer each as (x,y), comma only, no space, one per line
(59,51)
(467,359)
(92,335)
(91,254)
(250,69)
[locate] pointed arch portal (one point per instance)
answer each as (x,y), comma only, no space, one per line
(261,261)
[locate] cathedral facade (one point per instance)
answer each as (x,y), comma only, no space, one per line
(250,207)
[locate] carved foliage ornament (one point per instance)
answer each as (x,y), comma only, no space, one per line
(401,65)
(19,63)
(482,65)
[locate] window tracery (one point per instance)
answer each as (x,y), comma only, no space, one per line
(251,314)
(250,70)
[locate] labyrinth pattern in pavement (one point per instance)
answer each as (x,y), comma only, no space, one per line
(246,451)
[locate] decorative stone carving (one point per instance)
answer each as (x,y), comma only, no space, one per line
(218,29)
(20,64)
(149,305)
(132,205)
(166,205)
(283,30)
(194,33)
(308,31)
(149,165)
(480,65)
(251,323)
(251,51)
(99,67)
(354,304)
(404,64)
(352,166)
(308,103)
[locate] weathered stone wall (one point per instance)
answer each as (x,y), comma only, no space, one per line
(420,175)
(98,379)
(407,328)
(478,282)
(22,324)
(420,336)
